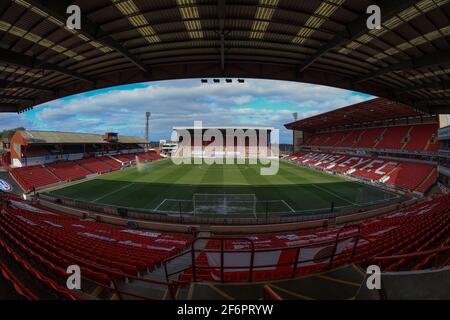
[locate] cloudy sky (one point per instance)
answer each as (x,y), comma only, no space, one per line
(180,103)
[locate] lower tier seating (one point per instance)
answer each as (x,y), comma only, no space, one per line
(44,175)
(420,227)
(34,176)
(96,165)
(68,170)
(104,252)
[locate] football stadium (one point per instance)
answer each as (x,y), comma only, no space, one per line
(355,206)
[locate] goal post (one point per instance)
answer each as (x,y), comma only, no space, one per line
(224,203)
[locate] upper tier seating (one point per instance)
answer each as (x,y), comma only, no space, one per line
(395,173)
(34,176)
(68,170)
(419,227)
(422,137)
(369,138)
(393,137)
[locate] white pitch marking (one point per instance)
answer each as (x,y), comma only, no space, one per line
(114,191)
(287,205)
(159,205)
(334,194)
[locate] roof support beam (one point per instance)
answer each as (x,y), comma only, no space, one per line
(428,85)
(9,97)
(440,57)
(221,7)
(88,29)
(9,107)
(9,84)
(22,60)
(434,106)
(356,29)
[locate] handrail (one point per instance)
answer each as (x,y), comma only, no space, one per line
(164,217)
(413,254)
(269,294)
(195,267)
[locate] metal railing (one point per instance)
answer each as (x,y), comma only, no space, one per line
(327,261)
(435,253)
(186,218)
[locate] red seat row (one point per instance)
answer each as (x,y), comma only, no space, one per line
(68,170)
(419,227)
(44,175)
(395,173)
(34,176)
(419,137)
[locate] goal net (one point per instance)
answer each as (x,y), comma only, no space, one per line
(204,203)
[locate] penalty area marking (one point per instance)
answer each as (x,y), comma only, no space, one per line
(167,200)
(160,205)
(287,205)
(114,191)
(334,194)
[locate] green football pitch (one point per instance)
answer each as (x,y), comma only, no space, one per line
(168,188)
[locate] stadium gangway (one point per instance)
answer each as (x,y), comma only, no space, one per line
(196,268)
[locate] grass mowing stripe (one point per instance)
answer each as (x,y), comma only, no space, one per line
(302,189)
(113,192)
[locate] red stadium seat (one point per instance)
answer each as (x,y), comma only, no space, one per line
(34,176)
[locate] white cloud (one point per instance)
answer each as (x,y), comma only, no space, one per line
(181,102)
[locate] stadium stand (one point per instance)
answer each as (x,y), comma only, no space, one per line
(416,228)
(96,165)
(124,158)
(372,141)
(423,138)
(394,138)
(34,177)
(104,251)
(413,138)
(68,170)
(395,173)
(41,176)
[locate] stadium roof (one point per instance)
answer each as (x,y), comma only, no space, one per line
(378,109)
(53,137)
(321,42)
